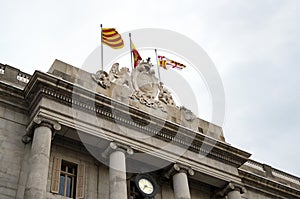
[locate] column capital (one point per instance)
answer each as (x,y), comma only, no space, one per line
(115,146)
(40,121)
(231,187)
(179,168)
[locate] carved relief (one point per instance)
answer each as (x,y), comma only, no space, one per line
(114,72)
(145,99)
(101,77)
(144,80)
(165,95)
(124,78)
(187,114)
(188,118)
(141,86)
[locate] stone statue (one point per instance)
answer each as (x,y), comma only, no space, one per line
(101,77)
(114,72)
(165,95)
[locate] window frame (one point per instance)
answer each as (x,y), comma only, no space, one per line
(80,177)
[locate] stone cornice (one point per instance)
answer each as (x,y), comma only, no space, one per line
(46,85)
(267,186)
(13,96)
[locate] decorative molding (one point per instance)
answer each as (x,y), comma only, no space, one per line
(275,173)
(266,185)
(178,168)
(46,86)
(114,146)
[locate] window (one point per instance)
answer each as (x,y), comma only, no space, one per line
(67,178)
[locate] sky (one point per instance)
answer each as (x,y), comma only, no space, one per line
(254,44)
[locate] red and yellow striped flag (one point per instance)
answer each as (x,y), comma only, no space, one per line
(164,62)
(112,38)
(176,64)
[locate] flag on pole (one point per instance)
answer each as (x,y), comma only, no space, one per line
(176,64)
(136,55)
(164,62)
(112,38)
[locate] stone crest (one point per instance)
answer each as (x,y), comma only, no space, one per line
(145,84)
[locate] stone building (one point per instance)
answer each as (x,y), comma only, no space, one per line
(117,135)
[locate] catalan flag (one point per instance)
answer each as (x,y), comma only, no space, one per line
(112,38)
(136,55)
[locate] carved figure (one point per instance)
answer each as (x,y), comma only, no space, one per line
(114,72)
(101,77)
(165,95)
(124,78)
(187,114)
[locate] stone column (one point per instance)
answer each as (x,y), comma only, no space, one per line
(232,191)
(39,159)
(234,194)
(180,180)
(117,169)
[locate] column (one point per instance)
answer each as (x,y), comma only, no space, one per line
(232,191)
(181,186)
(39,159)
(180,180)
(234,194)
(117,169)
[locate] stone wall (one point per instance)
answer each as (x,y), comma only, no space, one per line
(12,151)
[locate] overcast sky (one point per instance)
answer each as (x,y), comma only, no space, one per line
(254,45)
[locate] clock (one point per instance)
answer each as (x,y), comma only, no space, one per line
(146,185)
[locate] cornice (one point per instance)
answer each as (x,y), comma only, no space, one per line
(49,86)
(12,96)
(267,186)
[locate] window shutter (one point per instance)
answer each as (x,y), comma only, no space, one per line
(55,175)
(80,181)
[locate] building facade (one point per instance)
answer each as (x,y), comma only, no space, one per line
(117,135)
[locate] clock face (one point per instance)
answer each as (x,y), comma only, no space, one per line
(146,186)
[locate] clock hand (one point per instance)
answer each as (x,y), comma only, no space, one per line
(145,186)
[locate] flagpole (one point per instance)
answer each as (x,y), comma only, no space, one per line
(101,48)
(131,51)
(158,72)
